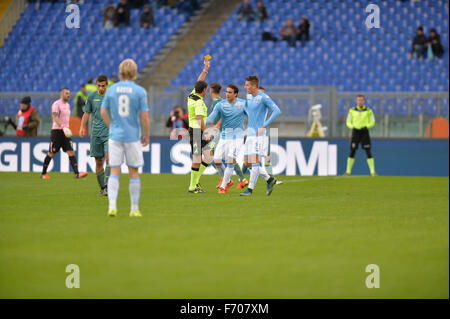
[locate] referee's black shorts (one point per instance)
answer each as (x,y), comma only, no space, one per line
(197,141)
(360,136)
(58,140)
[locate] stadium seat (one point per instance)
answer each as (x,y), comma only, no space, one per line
(35,35)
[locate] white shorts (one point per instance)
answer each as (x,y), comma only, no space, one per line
(132,151)
(226,149)
(263,145)
(256,145)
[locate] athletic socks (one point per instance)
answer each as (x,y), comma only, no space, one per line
(73,163)
(371,163)
(107,172)
(46,163)
(113,191)
(202,168)
(101,179)
(254,175)
(227,175)
(268,166)
(350,162)
(220,168)
(135,192)
(194,173)
(238,171)
(244,169)
(262,170)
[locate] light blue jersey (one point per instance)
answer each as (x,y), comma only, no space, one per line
(257,108)
(232,116)
(125,100)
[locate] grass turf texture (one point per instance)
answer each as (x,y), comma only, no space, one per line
(312,238)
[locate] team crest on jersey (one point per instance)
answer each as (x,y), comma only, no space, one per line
(257,99)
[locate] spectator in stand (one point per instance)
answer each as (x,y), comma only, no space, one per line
(262,12)
(161,3)
(245,11)
(27,119)
(123,13)
(137,4)
(419,45)
(177,121)
(303,30)
(289,32)
(109,17)
(434,40)
(112,80)
(147,18)
(185,7)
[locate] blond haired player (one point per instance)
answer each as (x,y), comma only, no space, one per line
(123,107)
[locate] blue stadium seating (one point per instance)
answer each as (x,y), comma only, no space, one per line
(42,55)
(342,51)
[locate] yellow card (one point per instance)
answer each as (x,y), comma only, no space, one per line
(207,57)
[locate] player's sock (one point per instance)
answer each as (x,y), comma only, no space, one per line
(194,173)
(227,175)
(135,192)
(220,168)
(101,179)
(238,171)
(350,162)
(202,168)
(73,163)
(262,170)
(268,166)
(113,191)
(371,163)
(244,169)
(46,163)
(254,175)
(107,172)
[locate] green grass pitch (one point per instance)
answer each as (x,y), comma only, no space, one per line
(312,238)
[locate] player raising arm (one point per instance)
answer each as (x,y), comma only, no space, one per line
(197,110)
(124,103)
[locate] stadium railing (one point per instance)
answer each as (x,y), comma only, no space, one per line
(10,18)
(398,114)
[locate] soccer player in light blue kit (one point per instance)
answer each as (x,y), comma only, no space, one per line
(232,113)
(124,103)
(257,106)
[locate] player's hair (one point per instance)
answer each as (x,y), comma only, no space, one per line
(128,70)
(200,86)
(262,88)
(64,88)
(254,79)
(216,87)
(234,88)
(102,78)
(360,95)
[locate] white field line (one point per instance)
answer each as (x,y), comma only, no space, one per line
(317,179)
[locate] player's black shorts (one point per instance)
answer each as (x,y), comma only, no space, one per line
(199,144)
(58,140)
(360,136)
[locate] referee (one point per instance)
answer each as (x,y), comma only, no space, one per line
(197,118)
(360,119)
